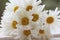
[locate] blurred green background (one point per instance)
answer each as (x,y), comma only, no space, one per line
(50,4)
(2,6)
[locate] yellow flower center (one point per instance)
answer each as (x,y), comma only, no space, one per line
(29,8)
(49,20)
(15,8)
(14,24)
(26,32)
(35,17)
(25,21)
(41,31)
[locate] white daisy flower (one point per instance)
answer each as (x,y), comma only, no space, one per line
(41,32)
(14,5)
(37,13)
(9,22)
(29,4)
(52,18)
(24,18)
(24,33)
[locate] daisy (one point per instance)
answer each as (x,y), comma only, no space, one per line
(52,18)
(36,13)
(9,22)
(24,33)
(41,32)
(14,5)
(24,18)
(30,4)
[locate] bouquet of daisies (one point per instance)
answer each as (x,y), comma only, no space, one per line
(27,20)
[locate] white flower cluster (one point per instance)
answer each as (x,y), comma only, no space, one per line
(27,19)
